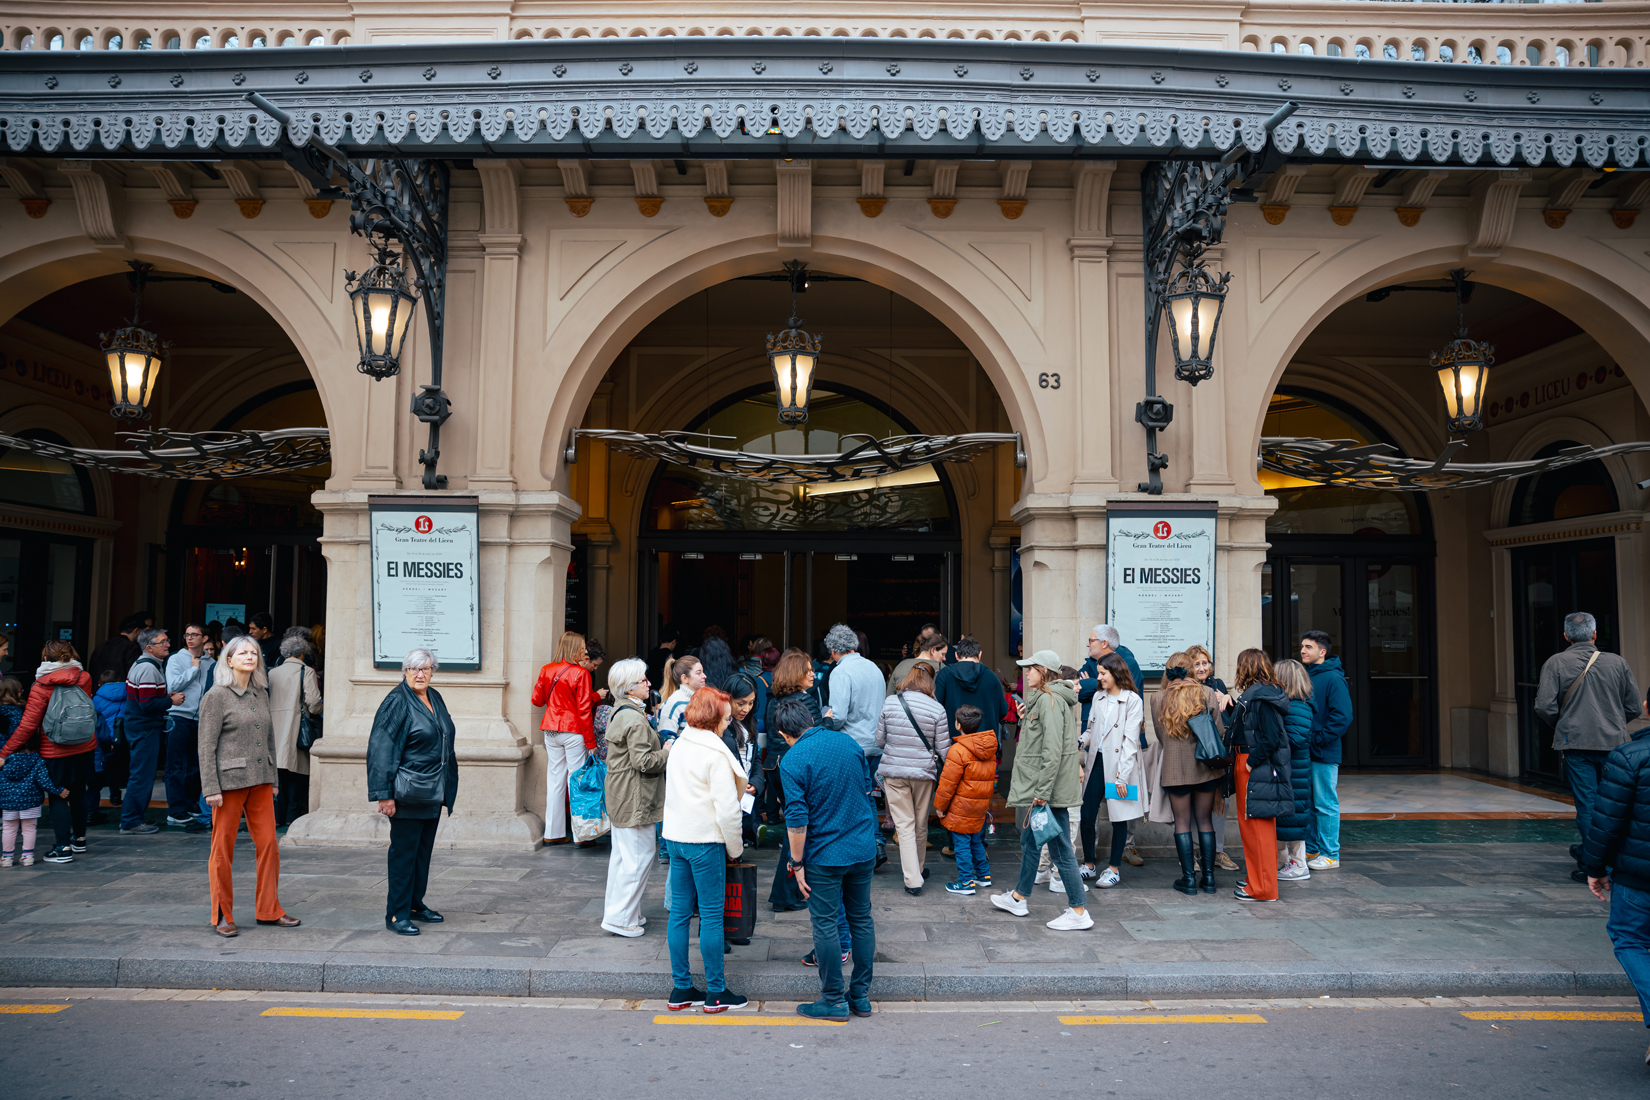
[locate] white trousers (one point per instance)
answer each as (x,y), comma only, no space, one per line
(566,755)
(628,869)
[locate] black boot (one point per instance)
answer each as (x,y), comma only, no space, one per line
(1187,884)
(1206,842)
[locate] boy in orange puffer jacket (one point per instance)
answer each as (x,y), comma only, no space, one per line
(963,798)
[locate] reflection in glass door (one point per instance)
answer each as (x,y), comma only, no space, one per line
(1397,683)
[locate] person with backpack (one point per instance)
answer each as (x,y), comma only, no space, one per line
(60,717)
(147,702)
(1259,734)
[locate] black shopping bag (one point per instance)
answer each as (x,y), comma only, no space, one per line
(739,904)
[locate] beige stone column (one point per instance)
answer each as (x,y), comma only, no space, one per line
(501,240)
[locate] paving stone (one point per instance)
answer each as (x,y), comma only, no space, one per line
(364,972)
(59,965)
(222,967)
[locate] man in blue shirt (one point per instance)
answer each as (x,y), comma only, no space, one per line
(188,673)
(831,828)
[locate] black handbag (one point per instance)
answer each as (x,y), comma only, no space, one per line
(309,725)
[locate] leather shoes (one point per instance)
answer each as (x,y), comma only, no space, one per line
(283,921)
(226,929)
(402,927)
(426,916)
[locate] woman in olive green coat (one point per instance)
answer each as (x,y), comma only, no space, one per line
(1046,774)
(635,796)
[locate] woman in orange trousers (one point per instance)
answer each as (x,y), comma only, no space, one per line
(238,776)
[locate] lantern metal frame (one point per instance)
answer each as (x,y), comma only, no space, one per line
(1463,354)
(789,343)
(386,276)
(1194,283)
(128,341)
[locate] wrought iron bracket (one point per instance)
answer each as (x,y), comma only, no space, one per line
(397,199)
(1185,214)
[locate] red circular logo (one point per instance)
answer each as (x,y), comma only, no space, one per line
(423,525)
(1161,529)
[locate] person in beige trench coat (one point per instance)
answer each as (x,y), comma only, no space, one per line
(286,681)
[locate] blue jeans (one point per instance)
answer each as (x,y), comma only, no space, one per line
(183,767)
(140,784)
(971,861)
(1059,850)
(1324,834)
(833,891)
(698,883)
(1584,768)
(1629,929)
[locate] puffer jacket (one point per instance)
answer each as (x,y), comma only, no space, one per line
(48,677)
(1294,826)
(904,756)
(413,749)
(564,691)
(24,782)
(1259,728)
(1047,762)
(963,796)
(1619,837)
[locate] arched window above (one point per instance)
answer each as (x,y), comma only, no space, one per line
(1584,489)
(1308,508)
(43,482)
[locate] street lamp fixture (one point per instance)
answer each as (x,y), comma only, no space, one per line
(794,354)
(1463,368)
(134,355)
(382,304)
(1193,301)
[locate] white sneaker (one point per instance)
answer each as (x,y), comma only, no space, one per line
(1071,921)
(619,930)
(1295,872)
(1008,902)
(1044,876)
(1057,885)
(1108,878)
(1323,863)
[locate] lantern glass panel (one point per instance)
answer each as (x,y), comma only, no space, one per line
(133,372)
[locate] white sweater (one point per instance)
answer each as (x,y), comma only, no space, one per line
(703,786)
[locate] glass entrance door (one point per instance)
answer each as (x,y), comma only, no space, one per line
(1376,610)
(45,590)
(1550,582)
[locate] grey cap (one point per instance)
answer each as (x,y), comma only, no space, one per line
(1043,658)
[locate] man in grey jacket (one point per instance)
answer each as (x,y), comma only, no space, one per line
(1588,696)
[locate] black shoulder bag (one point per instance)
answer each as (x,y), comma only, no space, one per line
(309,725)
(934,756)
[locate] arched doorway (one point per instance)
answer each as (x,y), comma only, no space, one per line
(1359,565)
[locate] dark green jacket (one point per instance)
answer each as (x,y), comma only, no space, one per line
(1047,759)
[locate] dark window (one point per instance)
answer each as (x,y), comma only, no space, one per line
(27,478)
(1584,489)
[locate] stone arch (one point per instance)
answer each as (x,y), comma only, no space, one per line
(641,287)
(1551,429)
(1590,288)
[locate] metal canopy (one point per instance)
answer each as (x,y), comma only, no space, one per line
(202,456)
(718,97)
(1381,466)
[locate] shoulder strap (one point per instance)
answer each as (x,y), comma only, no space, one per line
(913,720)
(1577,682)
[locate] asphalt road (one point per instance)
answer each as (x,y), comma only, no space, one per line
(270,1047)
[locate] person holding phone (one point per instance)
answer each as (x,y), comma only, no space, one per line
(1112,741)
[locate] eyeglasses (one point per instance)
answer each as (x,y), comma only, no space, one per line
(424,669)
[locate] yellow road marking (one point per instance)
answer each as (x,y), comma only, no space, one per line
(1538,1015)
(1188,1019)
(367,1013)
(749,1021)
(32,1008)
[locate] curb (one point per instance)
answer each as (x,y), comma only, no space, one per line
(56,965)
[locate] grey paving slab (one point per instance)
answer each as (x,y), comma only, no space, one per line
(221,968)
(363,972)
(59,965)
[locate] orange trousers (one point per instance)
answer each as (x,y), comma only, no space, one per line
(258,804)
(1260,840)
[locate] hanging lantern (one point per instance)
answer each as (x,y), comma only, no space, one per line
(382,305)
(1463,372)
(1193,301)
(794,355)
(134,356)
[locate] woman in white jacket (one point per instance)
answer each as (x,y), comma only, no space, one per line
(703,787)
(1113,758)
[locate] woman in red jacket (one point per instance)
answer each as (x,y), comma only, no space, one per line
(68,764)
(563,690)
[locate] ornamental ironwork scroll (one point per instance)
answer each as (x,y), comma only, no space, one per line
(197,456)
(864,456)
(1381,466)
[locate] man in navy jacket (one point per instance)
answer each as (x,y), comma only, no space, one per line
(1103,639)
(1331,718)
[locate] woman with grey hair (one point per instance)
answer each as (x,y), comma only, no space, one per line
(412,771)
(237,751)
(293,684)
(635,796)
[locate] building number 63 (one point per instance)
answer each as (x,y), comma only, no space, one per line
(1048,381)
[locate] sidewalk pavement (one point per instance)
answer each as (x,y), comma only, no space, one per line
(1479,908)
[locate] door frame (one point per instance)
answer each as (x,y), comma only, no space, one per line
(1354,555)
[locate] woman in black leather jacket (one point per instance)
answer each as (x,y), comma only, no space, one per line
(412,771)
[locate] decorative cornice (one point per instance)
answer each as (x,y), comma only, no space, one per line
(879,97)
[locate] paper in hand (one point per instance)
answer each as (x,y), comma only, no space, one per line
(747,803)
